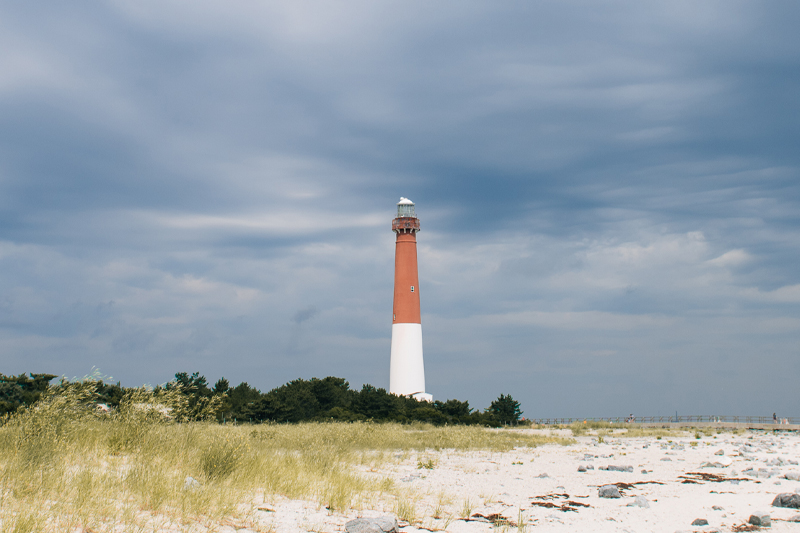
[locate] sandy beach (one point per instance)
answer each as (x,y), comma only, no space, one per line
(722,478)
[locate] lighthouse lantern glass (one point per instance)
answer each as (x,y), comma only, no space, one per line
(406,211)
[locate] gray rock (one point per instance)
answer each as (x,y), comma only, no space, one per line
(787,499)
(640,501)
(609,491)
(795,518)
(793,475)
(618,468)
(383,524)
(581,468)
(191,483)
(717,507)
(719,452)
(700,522)
(543,475)
(760,519)
(644,471)
(666,459)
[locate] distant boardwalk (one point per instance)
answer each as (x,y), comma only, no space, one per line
(722,422)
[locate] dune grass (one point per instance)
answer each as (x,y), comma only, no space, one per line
(602,428)
(66,467)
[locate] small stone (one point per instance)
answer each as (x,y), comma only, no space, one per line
(383,524)
(609,491)
(793,475)
(617,468)
(787,499)
(700,522)
(581,468)
(190,483)
(760,519)
(644,471)
(640,501)
(719,452)
(795,518)
(717,507)
(543,475)
(666,459)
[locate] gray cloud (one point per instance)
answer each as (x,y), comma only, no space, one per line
(608,196)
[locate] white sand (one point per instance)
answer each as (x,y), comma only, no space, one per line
(497,484)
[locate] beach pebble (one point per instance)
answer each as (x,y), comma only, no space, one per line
(717,507)
(793,475)
(609,491)
(581,468)
(795,518)
(383,524)
(617,468)
(666,459)
(700,522)
(787,499)
(543,475)
(640,501)
(760,519)
(719,452)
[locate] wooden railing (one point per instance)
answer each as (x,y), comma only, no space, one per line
(666,419)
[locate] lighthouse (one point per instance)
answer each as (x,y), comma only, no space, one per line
(406,371)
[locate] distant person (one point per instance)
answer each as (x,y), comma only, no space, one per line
(774,418)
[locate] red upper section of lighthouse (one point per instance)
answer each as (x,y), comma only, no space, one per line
(405,225)
(406,279)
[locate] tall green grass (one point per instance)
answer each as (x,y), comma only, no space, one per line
(66,466)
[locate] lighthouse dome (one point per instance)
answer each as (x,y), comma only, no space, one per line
(405,208)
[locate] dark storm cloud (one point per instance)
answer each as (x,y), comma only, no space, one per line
(608,194)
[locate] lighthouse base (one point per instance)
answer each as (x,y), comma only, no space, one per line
(406,370)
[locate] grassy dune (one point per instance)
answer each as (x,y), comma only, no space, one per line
(67,467)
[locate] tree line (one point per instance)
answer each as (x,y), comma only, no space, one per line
(300,400)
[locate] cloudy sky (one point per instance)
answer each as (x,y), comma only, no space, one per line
(609,196)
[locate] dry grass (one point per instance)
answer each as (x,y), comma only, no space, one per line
(619,430)
(64,467)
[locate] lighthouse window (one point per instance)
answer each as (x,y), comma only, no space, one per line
(412,288)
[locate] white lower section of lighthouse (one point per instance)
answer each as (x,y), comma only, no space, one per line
(407,371)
